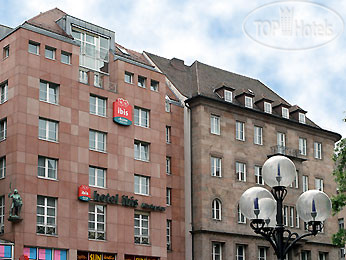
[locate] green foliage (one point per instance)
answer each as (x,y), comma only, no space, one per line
(339,200)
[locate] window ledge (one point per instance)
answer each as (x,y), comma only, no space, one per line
(90,149)
(45,178)
(141,160)
(56,104)
(97,240)
(37,54)
(98,187)
(48,140)
(47,235)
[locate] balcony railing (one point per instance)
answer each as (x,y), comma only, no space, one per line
(289,152)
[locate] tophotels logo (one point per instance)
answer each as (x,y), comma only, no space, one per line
(122,112)
(293,25)
(84,193)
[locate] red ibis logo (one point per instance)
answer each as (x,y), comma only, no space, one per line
(122,112)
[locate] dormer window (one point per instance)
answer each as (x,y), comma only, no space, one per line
(267,107)
(301,118)
(285,113)
(248,102)
(228,95)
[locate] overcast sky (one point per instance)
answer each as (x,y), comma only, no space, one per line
(212,32)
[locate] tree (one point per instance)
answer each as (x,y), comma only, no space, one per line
(339,200)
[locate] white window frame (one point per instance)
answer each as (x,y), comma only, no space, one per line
(297,219)
(128,77)
(2,214)
(281,139)
(169,234)
(2,167)
(215,163)
(141,117)
(97,177)
(167,106)
(49,50)
(317,150)
(291,217)
(141,151)
(3,92)
(98,80)
(168,134)
(341,223)
(36,45)
(168,196)
(83,76)
(143,220)
(248,102)
(240,169)
(6,51)
(47,125)
(285,112)
(295,183)
(65,54)
(216,207)
(319,185)
(302,118)
(3,129)
(305,255)
(305,183)
(302,146)
(45,92)
(267,107)
(141,185)
(97,105)
(168,165)
(258,175)
(154,85)
(216,252)
(240,131)
(99,138)
(96,213)
(49,229)
(46,167)
(228,95)
(215,124)
(258,135)
(241,217)
(141,80)
(285,216)
(262,253)
(239,255)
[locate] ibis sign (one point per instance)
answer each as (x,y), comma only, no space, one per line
(122,112)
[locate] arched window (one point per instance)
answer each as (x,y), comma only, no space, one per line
(216,209)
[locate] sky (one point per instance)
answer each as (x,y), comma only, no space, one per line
(232,35)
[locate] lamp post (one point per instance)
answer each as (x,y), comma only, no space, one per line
(265,208)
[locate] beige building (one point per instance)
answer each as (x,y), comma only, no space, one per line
(233,124)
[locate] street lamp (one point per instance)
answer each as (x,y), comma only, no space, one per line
(264,208)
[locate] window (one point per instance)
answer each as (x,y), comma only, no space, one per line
(281,140)
(49,92)
(215,166)
(262,253)
(83,76)
(167,106)
(142,81)
(154,85)
(2,167)
(215,124)
(168,165)
(141,228)
(168,196)
(239,132)
(302,146)
(97,222)
(141,185)
(305,255)
(228,95)
(258,139)
(318,150)
(97,141)
(319,184)
(285,112)
(47,168)
(341,223)
(46,215)
(98,79)
(285,216)
(168,134)
(342,253)
(97,105)
(322,256)
(248,102)
(258,175)
(141,151)
(3,129)
(291,218)
(49,53)
(3,92)
(301,118)
(97,177)
(240,171)
(216,251)
(297,219)
(6,51)
(241,217)
(65,57)
(128,77)
(34,47)
(48,130)
(305,183)
(267,107)
(141,117)
(216,209)
(169,234)
(2,214)
(240,252)
(295,183)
